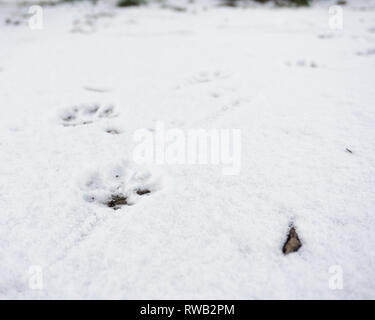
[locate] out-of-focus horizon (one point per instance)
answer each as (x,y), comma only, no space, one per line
(230,3)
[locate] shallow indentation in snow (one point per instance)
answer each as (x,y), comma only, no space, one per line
(118,185)
(302,63)
(113,131)
(368,52)
(207,76)
(86,114)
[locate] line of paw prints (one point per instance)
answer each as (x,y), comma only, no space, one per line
(86,114)
(118,186)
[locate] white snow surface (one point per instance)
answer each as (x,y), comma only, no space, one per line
(300,93)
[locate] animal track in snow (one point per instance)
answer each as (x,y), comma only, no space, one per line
(86,114)
(16,20)
(90,22)
(232,105)
(367,52)
(113,130)
(119,185)
(207,76)
(302,63)
(326,36)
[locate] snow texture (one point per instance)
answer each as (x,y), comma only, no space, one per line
(302,94)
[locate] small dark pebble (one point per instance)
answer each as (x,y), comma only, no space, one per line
(292,242)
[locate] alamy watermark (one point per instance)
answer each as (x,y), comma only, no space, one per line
(35,278)
(221,147)
(336,17)
(36,21)
(336,280)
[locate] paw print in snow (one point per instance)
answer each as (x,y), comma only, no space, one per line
(118,186)
(207,76)
(86,114)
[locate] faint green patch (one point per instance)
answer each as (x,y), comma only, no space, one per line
(130,3)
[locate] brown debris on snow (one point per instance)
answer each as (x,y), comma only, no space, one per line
(293,242)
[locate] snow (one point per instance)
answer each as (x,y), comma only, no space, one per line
(300,93)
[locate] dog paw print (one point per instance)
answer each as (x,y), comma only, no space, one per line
(115,130)
(118,186)
(302,63)
(12,21)
(86,114)
(207,76)
(367,52)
